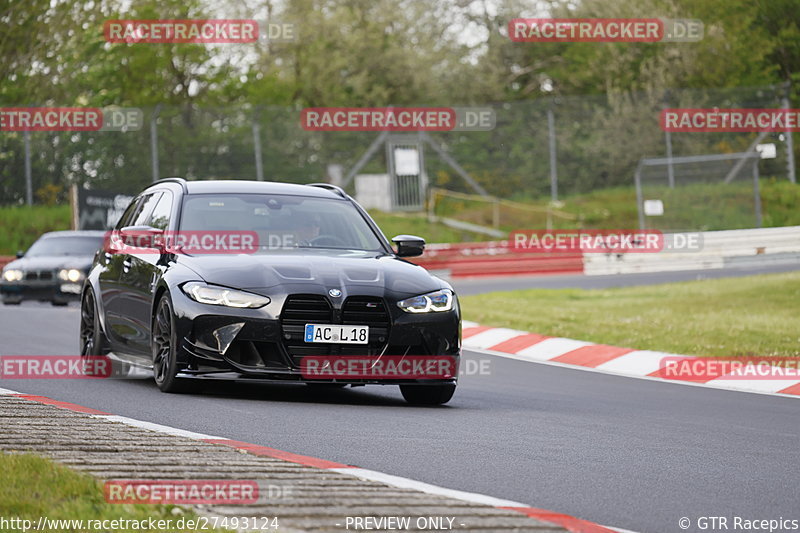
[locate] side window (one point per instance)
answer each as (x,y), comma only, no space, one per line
(127,215)
(161,214)
(145,208)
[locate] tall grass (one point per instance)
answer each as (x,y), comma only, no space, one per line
(21,225)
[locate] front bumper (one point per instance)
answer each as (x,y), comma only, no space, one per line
(49,291)
(224,343)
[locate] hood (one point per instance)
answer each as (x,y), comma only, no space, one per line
(51,262)
(327,268)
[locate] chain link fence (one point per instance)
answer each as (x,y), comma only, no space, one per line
(559,148)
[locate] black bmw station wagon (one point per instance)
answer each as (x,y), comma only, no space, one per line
(271,281)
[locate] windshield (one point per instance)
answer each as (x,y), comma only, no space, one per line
(64,246)
(281,222)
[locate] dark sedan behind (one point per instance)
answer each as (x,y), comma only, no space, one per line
(52,270)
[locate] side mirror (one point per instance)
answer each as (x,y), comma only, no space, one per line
(409,245)
(140,238)
(20,253)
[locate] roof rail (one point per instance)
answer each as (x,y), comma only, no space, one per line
(174,179)
(338,190)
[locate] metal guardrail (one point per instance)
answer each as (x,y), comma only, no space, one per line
(767,246)
(720,248)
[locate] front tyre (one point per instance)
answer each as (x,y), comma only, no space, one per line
(93,342)
(165,346)
(428,394)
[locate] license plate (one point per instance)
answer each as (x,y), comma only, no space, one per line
(73,288)
(333,334)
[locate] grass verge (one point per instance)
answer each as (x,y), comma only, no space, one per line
(36,487)
(21,225)
(392,224)
(747,316)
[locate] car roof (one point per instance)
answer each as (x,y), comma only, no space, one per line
(71,233)
(257,187)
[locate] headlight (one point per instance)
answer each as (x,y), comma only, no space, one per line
(12,275)
(208,294)
(70,274)
(428,303)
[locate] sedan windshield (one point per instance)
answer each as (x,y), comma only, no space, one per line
(49,246)
(281,221)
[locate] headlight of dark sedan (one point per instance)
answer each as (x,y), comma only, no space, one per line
(213,295)
(70,274)
(433,302)
(12,274)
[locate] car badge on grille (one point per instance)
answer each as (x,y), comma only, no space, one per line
(335,293)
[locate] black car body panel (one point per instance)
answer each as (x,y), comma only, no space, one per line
(300,283)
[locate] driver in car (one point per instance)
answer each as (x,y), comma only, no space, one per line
(308,231)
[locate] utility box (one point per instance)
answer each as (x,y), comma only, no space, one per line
(373,191)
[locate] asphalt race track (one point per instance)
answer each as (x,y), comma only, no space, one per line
(623,452)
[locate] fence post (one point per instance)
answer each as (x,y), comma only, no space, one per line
(154,141)
(670,170)
(639,206)
(28,179)
(668,140)
(756,192)
(551,129)
(257,145)
(432,204)
(73,201)
(788,134)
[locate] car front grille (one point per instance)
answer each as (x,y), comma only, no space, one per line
(365,311)
(39,275)
(300,310)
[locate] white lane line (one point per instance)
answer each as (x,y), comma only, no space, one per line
(622,374)
(156,427)
(6,392)
(491,337)
(761,385)
(550,348)
(637,363)
(405,483)
(467,324)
